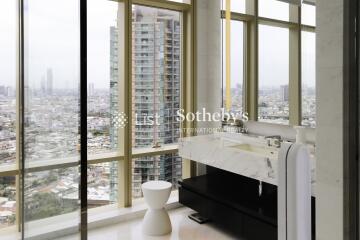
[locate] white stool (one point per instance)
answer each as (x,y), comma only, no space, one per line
(156,221)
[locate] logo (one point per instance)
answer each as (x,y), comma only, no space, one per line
(204,116)
(119,119)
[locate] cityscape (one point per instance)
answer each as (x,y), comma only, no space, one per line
(7,154)
(273,105)
(48,138)
(51,122)
(52,125)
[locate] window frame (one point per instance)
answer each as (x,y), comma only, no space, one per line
(291,65)
(236,18)
(295,26)
(306,30)
(123,158)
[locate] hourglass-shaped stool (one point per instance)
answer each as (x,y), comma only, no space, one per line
(156,221)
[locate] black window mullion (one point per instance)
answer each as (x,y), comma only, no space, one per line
(83,119)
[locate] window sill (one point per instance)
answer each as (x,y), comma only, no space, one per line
(67,224)
(37,166)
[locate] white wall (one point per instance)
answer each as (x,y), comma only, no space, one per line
(208,62)
(329,134)
(208,58)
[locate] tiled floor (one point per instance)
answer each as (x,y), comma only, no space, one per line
(183,228)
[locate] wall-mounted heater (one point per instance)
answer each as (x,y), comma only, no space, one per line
(294,193)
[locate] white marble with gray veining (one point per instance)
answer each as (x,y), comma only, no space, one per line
(217,150)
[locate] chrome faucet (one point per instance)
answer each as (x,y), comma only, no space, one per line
(236,124)
(274,141)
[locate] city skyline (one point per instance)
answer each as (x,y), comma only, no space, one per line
(100,15)
(52,102)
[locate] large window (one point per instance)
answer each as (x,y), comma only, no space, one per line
(8,83)
(278,59)
(100,53)
(308,73)
(51,111)
(156,80)
(120,94)
(273,100)
(7,110)
(236,65)
(106,100)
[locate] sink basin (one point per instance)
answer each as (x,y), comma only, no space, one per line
(268,152)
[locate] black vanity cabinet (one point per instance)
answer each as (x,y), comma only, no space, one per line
(234,202)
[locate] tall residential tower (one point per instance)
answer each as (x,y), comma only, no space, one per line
(156,74)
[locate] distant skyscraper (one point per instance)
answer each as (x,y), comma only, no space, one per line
(91,89)
(3,90)
(156,90)
(49,81)
(114,104)
(9,91)
(27,98)
(284,93)
(43,85)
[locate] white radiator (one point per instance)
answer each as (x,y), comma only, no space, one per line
(294,193)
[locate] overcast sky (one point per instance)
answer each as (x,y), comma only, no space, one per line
(52,41)
(7,42)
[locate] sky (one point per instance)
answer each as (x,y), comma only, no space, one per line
(8,43)
(273,46)
(52,41)
(101,16)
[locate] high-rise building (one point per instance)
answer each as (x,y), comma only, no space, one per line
(9,91)
(49,81)
(156,91)
(3,90)
(91,89)
(284,93)
(43,85)
(114,106)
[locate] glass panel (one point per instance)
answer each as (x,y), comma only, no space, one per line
(237,65)
(238,6)
(308,14)
(51,80)
(274,9)
(8,29)
(51,111)
(156,73)
(156,90)
(102,184)
(51,193)
(105,69)
(308,63)
(7,201)
(166,167)
(106,96)
(273,95)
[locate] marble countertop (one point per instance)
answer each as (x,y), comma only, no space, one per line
(219,150)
